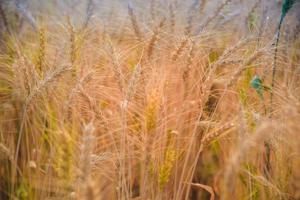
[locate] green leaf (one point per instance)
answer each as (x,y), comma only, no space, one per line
(257,84)
(286,6)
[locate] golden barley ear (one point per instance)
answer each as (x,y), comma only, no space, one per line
(134,22)
(40,63)
(155,38)
(73,49)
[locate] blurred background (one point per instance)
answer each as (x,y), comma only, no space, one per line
(112,16)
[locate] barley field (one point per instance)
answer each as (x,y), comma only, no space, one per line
(149,100)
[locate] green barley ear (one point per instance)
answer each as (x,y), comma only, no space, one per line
(252,187)
(23,190)
(166,168)
(213,56)
(252,20)
(151,168)
(151,111)
(64,160)
(10,48)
